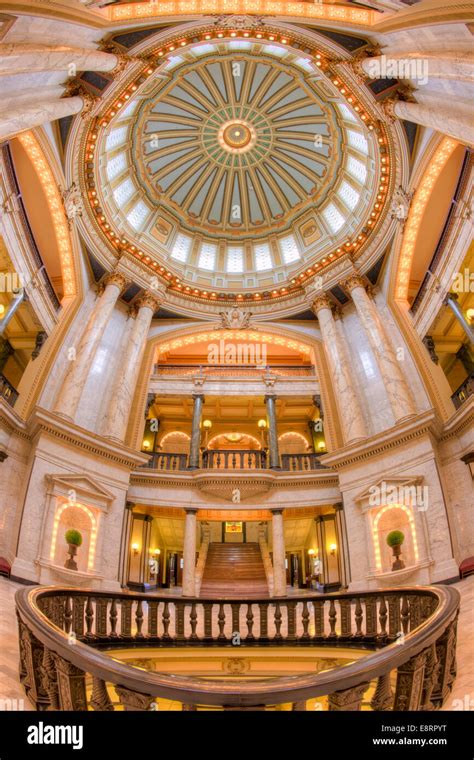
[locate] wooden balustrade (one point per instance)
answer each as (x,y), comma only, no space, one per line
(234,459)
(7,391)
(233,371)
(160,460)
(465,390)
(410,635)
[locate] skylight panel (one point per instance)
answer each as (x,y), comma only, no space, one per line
(117,137)
(274,50)
(289,249)
(174,61)
(357,141)
(346,112)
(129,109)
(181,248)
(356,169)
(303,63)
(124,192)
(263,259)
(235,259)
(207,256)
(204,50)
(138,215)
(239,45)
(333,217)
(348,195)
(116,166)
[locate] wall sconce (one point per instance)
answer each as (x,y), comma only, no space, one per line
(311,552)
(157,552)
(322,446)
(135,549)
(146,445)
(332,549)
(470,315)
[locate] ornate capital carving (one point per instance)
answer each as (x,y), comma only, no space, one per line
(115,278)
(148,301)
(76,88)
(352,282)
(321,302)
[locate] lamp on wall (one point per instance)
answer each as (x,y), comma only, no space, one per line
(146,445)
(332,549)
(322,446)
(135,549)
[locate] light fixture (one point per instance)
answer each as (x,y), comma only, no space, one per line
(233,437)
(322,446)
(262,424)
(311,552)
(135,549)
(469,315)
(2,310)
(146,445)
(207,424)
(332,549)
(157,552)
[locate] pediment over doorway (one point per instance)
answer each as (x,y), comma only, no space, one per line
(86,488)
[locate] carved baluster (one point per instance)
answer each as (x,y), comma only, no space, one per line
(445,652)
(207,621)
(166,618)
(22,664)
(348,699)
(71,685)
(410,683)
(430,679)
(359,619)
(126,619)
(305,621)
(318,620)
(153,619)
(415,612)
(218,459)
(221,623)
(48,680)
(101,618)
(277,618)
(193,620)
(405,615)
(133,701)
(234,460)
(383,697)
(346,622)
(263,607)
(100,699)
(383,618)
(139,620)
(113,618)
(250,635)
(89,618)
(394,621)
(67,614)
(235,618)
(370,618)
(291,613)
(332,620)
(179,622)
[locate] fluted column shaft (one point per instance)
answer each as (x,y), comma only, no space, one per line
(73,385)
(195,444)
(26,117)
(189,553)
(116,419)
(278,553)
(17,58)
(272,433)
(395,385)
(350,413)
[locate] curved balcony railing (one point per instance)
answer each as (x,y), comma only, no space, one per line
(234,459)
(465,390)
(7,391)
(232,371)
(63,631)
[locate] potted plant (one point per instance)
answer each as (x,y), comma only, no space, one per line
(73,539)
(395,540)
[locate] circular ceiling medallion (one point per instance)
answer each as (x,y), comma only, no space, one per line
(237,136)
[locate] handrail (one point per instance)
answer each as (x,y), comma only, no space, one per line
(430,613)
(7,391)
(234,459)
(465,390)
(231,370)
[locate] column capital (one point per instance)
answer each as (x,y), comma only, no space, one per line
(321,302)
(191,510)
(198,396)
(277,510)
(270,396)
(115,278)
(148,300)
(353,281)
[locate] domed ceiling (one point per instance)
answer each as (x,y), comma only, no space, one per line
(236,163)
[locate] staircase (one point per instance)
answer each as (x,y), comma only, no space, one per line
(234,570)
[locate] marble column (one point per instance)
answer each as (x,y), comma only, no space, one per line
(18,58)
(451,300)
(443,117)
(116,418)
(350,413)
(196,432)
(270,402)
(394,381)
(278,553)
(78,370)
(26,117)
(189,552)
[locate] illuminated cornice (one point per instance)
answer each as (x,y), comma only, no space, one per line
(251,336)
(301,10)
(416,214)
(56,208)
